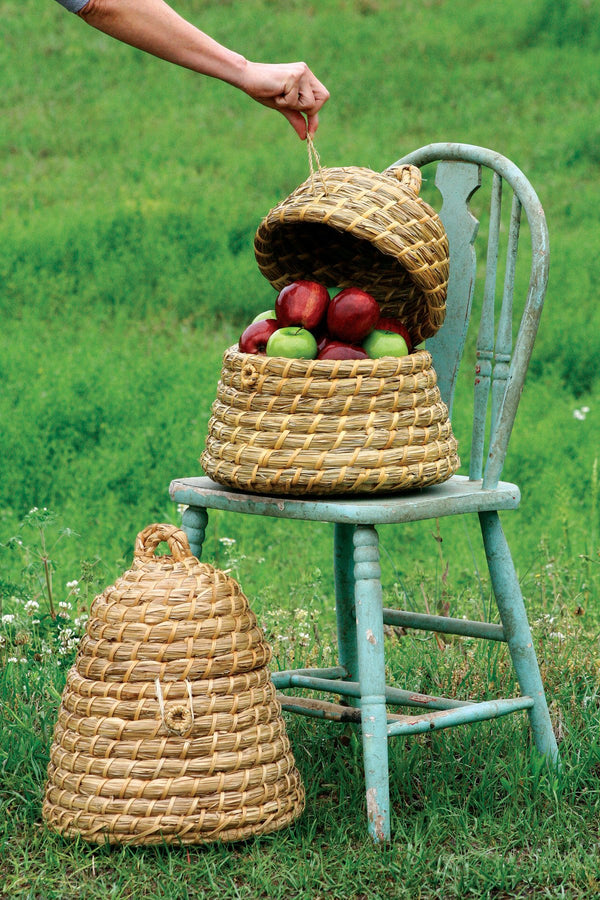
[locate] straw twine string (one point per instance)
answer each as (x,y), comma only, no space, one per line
(314,159)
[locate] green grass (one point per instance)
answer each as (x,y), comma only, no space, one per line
(130,193)
(473,813)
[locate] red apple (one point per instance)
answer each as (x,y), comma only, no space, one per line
(352,315)
(302,303)
(254,338)
(339,350)
(388,323)
(322,340)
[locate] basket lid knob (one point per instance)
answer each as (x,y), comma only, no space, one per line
(408,176)
(148,540)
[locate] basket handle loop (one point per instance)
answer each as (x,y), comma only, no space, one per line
(148,540)
(409,177)
(314,160)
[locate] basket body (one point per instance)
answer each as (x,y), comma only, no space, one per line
(169,729)
(353,227)
(322,427)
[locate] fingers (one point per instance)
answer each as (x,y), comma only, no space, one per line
(302,91)
(290,88)
(313,123)
(306,95)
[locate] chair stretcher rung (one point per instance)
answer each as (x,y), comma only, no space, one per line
(444,624)
(394,696)
(475,712)
(402,725)
(319,709)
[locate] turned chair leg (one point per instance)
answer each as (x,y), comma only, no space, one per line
(518,635)
(194,522)
(345,611)
(371,667)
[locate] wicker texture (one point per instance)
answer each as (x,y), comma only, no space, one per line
(299,427)
(169,728)
(350,227)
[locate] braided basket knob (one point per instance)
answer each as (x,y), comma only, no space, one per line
(409,177)
(148,540)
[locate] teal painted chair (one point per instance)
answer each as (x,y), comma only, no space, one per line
(499,365)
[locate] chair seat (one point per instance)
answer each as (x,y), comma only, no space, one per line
(457,495)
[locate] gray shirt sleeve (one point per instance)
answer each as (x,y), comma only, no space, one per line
(73,5)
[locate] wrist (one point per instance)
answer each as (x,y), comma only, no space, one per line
(230,67)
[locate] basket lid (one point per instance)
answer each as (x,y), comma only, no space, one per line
(351,226)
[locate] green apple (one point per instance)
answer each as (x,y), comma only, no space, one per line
(267,314)
(385,343)
(293,343)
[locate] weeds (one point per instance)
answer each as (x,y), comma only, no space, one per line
(35,625)
(470,807)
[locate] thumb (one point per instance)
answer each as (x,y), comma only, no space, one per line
(297,121)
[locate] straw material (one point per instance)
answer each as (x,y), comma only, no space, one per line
(352,227)
(318,427)
(169,729)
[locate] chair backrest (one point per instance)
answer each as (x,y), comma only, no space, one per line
(500,367)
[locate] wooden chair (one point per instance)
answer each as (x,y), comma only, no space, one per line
(500,370)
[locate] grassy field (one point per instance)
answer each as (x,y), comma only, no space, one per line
(130,193)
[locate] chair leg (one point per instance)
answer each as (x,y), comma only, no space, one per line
(194,522)
(516,629)
(371,666)
(345,612)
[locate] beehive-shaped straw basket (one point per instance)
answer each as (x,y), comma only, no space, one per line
(169,728)
(319,427)
(352,227)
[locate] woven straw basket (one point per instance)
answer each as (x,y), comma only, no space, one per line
(169,729)
(320,427)
(352,227)
(285,426)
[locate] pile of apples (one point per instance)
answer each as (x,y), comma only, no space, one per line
(307,324)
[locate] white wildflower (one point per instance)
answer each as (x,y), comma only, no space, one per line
(72,584)
(227,541)
(181,508)
(68,641)
(8,619)
(31,606)
(12,659)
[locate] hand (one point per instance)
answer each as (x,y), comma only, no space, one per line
(289,87)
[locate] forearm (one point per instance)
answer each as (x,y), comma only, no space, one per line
(152,25)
